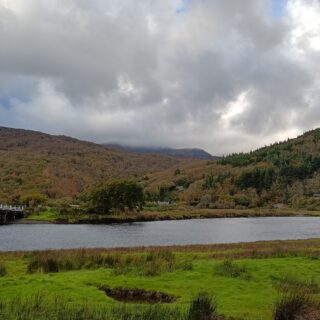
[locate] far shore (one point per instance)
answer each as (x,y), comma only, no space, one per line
(184,213)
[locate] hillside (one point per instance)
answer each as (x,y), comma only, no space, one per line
(282,174)
(33,163)
(285,174)
(192,153)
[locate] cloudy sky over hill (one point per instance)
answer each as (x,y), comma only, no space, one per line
(223,75)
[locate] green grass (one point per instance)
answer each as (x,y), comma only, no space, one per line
(235,296)
(229,268)
(47,215)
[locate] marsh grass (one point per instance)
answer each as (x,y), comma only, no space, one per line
(39,307)
(203,307)
(290,283)
(55,261)
(289,306)
(3,270)
(228,268)
(149,264)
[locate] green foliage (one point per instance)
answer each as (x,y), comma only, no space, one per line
(259,178)
(209,181)
(302,151)
(290,173)
(242,200)
(203,307)
(165,193)
(117,195)
(183,182)
(33,199)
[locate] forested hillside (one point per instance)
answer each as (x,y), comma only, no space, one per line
(58,168)
(282,174)
(33,164)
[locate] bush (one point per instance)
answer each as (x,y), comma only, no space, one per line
(289,306)
(202,307)
(242,200)
(117,195)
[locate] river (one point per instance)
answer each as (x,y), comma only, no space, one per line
(158,233)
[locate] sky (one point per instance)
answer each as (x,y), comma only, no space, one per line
(226,76)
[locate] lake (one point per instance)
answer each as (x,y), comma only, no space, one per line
(158,233)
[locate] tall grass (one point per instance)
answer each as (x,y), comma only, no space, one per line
(203,307)
(40,308)
(290,283)
(229,268)
(3,270)
(149,264)
(289,306)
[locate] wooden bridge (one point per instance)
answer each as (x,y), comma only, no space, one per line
(10,213)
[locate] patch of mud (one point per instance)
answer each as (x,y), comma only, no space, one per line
(309,313)
(138,295)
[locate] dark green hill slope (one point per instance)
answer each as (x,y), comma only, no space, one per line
(282,174)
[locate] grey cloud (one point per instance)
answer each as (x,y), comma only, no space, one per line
(140,73)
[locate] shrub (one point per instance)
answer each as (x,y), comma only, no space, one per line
(117,195)
(202,307)
(289,306)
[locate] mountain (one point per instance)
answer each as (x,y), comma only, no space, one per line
(282,174)
(59,166)
(192,153)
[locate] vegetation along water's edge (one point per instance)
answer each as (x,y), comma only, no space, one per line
(173,213)
(261,280)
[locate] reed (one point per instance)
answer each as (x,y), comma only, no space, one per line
(149,264)
(39,307)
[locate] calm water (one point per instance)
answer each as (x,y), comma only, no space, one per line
(204,231)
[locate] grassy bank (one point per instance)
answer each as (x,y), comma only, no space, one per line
(170,213)
(246,280)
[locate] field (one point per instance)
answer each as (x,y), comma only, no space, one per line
(245,280)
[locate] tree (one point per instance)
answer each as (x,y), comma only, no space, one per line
(117,195)
(259,178)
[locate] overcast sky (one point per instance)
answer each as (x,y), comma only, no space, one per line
(225,75)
